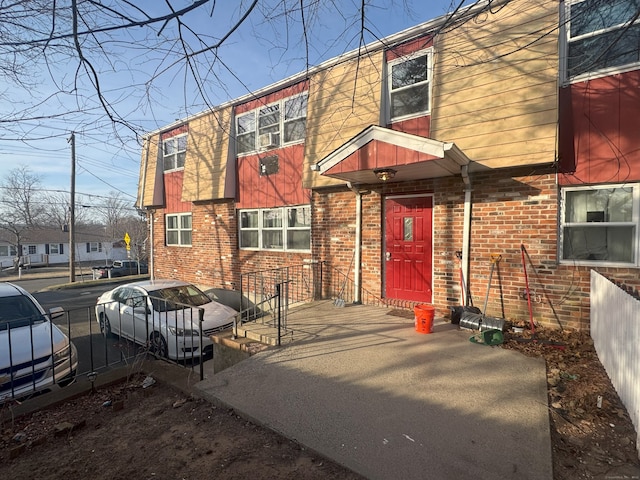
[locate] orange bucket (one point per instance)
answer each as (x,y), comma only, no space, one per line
(424,318)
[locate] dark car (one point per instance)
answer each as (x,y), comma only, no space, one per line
(121,268)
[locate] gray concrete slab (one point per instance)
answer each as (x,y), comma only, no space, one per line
(363,388)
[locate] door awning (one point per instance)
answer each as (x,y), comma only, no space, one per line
(402,155)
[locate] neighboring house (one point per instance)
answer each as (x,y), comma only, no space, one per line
(512,123)
(50,246)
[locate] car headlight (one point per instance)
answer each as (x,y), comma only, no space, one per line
(183,332)
(63,354)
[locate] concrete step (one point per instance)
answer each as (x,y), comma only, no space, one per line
(263,333)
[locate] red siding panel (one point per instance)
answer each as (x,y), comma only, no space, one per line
(173,193)
(377,154)
(420,126)
(599,141)
(409,47)
(278,189)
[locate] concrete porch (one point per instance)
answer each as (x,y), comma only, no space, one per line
(360,386)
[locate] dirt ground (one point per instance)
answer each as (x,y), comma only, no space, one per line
(127,431)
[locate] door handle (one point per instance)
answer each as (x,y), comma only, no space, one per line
(387,256)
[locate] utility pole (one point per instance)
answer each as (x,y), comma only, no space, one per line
(72,211)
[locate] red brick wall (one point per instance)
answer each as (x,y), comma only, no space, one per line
(213,260)
(507,212)
(509,209)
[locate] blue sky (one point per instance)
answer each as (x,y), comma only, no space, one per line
(148,90)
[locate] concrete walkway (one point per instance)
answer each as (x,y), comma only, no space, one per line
(363,388)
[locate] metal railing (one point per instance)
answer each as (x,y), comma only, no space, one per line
(35,357)
(89,340)
(267,295)
(299,283)
(340,287)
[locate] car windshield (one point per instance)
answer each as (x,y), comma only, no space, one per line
(18,311)
(175,298)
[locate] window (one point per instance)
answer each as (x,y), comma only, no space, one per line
(601,36)
(285,228)
(8,251)
(600,224)
(178,228)
(272,126)
(94,247)
(174,151)
(409,84)
(31,249)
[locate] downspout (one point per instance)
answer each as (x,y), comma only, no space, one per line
(466,230)
(149,211)
(151,261)
(357,252)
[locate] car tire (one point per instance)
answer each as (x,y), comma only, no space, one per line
(105,325)
(159,345)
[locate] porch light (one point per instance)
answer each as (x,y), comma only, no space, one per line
(384,174)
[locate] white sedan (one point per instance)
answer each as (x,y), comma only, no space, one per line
(35,355)
(163,315)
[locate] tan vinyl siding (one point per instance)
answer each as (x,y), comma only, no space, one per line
(206,163)
(148,170)
(495,85)
(343,101)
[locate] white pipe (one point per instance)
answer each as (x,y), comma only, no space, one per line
(357,251)
(151,262)
(466,231)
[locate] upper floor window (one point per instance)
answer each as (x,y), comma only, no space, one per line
(273,125)
(602,36)
(174,151)
(178,229)
(409,84)
(284,228)
(600,224)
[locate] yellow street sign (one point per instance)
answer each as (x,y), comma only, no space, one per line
(127,239)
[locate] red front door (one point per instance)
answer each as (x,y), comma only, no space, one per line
(408,248)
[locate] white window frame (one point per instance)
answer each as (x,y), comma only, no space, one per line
(283,229)
(95,247)
(12,251)
(565,44)
(428,52)
(634,223)
(31,249)
(176,163)
(54,249)
(180,229)
(253,118)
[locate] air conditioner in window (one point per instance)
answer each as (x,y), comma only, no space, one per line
(266,140)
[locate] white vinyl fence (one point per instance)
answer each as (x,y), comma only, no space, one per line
(615,329)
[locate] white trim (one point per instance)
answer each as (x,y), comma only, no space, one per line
(635,223)
(283,229)
(178,230)
(255,112)
(400,139)
(565,41)
(428,52)
(175,155)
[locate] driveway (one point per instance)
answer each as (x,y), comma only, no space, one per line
(360,386)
